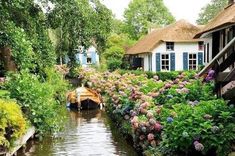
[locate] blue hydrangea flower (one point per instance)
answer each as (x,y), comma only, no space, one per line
(170,119)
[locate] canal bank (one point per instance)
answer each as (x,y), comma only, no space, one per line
(86,133)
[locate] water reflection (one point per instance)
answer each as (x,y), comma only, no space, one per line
(87,133)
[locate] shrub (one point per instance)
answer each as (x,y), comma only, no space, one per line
(210,123)
(12,122)
(114,64)
(39,100)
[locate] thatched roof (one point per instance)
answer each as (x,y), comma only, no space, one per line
(180,31)
(224,18)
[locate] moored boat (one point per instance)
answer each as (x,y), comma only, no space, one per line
(84,98)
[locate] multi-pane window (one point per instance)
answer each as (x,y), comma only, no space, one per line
(192,61)
(200,46)
(165,62)
(170,46)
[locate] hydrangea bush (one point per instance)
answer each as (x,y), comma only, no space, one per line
(170,117)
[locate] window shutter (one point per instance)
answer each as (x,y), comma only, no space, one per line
(93,57)
(158,62)
(172,61)
(200,58)
(185,61)
(84,59)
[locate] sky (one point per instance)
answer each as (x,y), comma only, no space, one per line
(180,9)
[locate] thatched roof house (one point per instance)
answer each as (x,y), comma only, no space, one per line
(180,31)
(161,49)
(225,18)
(219,37)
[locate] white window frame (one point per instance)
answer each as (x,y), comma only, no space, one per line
(192,59)
(168,46)
(165,60)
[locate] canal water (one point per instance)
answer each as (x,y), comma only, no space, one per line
(86,133)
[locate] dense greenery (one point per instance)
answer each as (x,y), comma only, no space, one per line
(24,30)
(143,14)
(210,11)
(171,117)
(79,23)
(39,99)
(12,123)
(115,51)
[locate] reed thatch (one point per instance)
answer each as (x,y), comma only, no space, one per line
(224,18)
(180,31)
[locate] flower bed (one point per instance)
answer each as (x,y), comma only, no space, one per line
(172,117)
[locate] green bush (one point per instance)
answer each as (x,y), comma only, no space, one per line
(210,123)
(12,123)
(162,75)
(40,100)
(114,64)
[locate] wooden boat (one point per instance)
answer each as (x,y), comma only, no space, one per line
(84,98)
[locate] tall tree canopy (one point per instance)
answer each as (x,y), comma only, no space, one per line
(80,23)
(142,14)
(210,11)
(25,30)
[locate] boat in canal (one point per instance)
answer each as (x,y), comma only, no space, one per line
(83,98)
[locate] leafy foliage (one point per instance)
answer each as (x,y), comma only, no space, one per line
(116,46)
(39,100)
(26,33)
(143,14)
(80,23)
(210,11)
(190,124)
(12,122)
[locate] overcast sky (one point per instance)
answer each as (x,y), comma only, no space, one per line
(180,9)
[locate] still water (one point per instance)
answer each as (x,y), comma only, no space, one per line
(87,133)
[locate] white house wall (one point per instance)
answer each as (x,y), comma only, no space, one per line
(146,61)
(179,49)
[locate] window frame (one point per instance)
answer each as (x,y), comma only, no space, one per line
(165,61)
(170,46)
(192,59)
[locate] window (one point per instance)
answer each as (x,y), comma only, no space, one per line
(200,46)
(165,62)
(169,46)
(88,60)
(192,61)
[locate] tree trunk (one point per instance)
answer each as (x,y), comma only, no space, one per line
(7,59)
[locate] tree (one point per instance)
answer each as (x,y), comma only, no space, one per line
(116,47)
(80,23)
(141,14)
(27,36)
(210,11)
